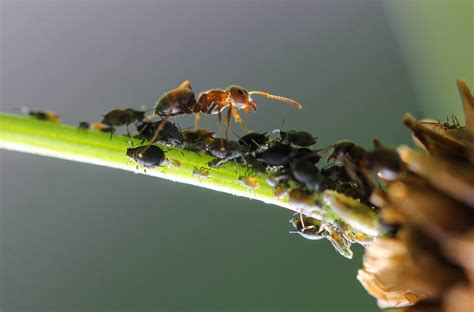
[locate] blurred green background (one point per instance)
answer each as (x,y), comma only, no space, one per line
(75,237)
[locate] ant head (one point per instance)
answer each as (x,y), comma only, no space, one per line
(238,94)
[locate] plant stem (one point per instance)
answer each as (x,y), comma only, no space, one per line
(28,135)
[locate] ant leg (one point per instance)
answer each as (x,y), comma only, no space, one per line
(227,121)
(186,85)
(157,132)
(240,121)
(197,120)
(219,123)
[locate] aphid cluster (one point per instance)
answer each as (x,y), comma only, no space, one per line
(288,158)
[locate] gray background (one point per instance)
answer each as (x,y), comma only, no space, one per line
(76,237)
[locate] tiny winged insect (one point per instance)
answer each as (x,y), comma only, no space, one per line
(148,156)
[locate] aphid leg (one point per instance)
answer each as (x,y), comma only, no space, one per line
(186,85)
(197,120)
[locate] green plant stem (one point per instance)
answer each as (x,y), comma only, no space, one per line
(24,134)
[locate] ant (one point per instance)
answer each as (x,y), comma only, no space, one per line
(182,100)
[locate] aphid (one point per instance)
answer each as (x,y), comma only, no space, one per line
(280,192)
(83,125)
(197,140)
(148,156)
(42,115)
(254,140)
(202,173)
(347,150)
(182,100)
(302,200)
(305,172)
(225,150)
(314,229)
(298,138)
(307,154)
(169,134)
(384,162)
(174,163)
(278,154)
(249,182)
(122,117)
(103,128)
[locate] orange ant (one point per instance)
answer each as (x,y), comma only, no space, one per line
(182,100)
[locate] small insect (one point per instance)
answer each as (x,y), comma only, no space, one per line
(249,182)
(278,154)
(83,125)
(148,156)
(305,172)
(174,163)
(42,115)
(298,138)
(202,173)
(280,192)
(122,117)
(347,150)
(253,141)
(103,128)
(169,134)
(197,140)
(182,100)
(384,162)
(314,229)
(308,154)
(225,150)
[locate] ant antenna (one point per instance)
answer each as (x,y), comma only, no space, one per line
(278,98)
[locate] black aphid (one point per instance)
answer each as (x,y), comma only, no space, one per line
(122,117)
(305,172)
(254,140)
(225,150)
(278,154)
(169,133)
(307,154)
(298,138)
(147,156)
(83,125)
(347,151)
(384,162)
(197,140)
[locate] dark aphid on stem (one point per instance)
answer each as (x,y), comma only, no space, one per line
(122,117)
(307,154)
(347,150)
(148,156)
(298,138)
(254,140)
(42,115)
(278,154)
(225,150)
(197,140)
(383,161)
(83,125)
(305,173)
(169,134)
